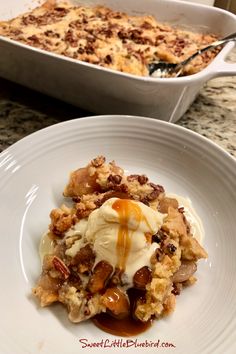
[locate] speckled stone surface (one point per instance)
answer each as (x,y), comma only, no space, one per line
(213,114)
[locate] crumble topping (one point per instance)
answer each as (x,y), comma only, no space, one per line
(122,232)
(109,38)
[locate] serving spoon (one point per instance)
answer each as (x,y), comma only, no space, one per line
(164,69)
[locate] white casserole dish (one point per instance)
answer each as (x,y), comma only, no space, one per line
(102,90)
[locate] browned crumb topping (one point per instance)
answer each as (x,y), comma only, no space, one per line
(112,39)
(86,288)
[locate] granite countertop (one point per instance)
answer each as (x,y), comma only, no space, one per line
(213,114)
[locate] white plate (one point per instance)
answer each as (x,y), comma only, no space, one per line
(104,91)
(32,175)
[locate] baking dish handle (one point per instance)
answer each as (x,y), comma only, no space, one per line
(224,69)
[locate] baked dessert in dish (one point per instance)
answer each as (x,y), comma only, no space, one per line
(109,38)
(120,251)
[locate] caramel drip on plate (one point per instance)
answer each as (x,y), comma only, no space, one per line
(126,210)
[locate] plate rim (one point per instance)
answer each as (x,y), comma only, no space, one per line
(171,127)
(115,116)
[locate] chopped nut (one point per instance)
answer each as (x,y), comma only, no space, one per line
(34,38)
(146,25)
(108,58)
(131,178)
(156,238)
(171,248)
(142,179)
(114,179)
(74,279)
(177,287)
(84,259)
(98,161)
(122,188)
(61,267)
(157,187)
(145,201)
(115,194)
(160,237)
(153,195)
(159,255)
(71,38)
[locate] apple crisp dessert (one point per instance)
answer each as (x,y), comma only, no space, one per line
(112,39)
(123,248)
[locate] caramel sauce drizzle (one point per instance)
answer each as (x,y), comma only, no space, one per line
(126,209)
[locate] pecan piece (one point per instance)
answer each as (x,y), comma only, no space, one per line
(152,196)
(157,256)
(84,259)
(177,287)
(74,279)
(114,179)
(146,25)
(108,59)
(101,273)
(115,194)
(171,248)
(142,179)
(131,178)
(157,187)
(142,277)
(71,38)
(34,39)
(156,238)
(98,161)
(61,267)
(80,50)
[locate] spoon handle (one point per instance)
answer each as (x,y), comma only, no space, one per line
(231,37)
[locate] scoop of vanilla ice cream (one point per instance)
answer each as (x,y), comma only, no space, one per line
(119,231)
